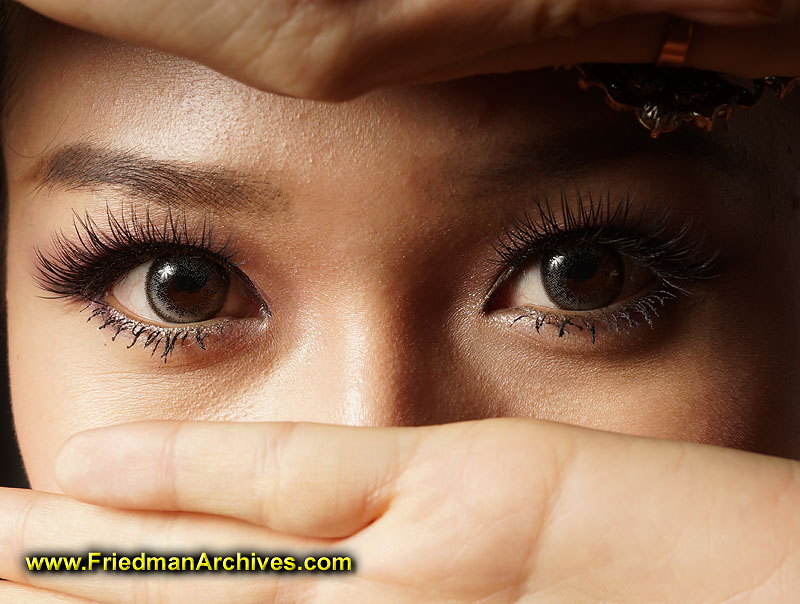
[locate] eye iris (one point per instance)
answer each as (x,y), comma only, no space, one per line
(186,289)
(582,275)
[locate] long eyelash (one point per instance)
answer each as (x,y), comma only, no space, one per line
(82,268)
(152,336)
(675,256)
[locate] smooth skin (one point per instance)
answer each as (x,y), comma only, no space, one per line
(537,511)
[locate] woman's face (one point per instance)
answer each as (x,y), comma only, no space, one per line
(499,246)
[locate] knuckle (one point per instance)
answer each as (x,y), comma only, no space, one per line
(326,78)
(149,591)
(272,491)
(23,540)
(281,592)
(168,461)
(306,52)
(791,486)
(551,18)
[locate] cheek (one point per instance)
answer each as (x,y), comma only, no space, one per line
(57,383)
(65,375)
(703,382)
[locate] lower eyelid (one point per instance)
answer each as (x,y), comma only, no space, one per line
(164,340)
(643,311)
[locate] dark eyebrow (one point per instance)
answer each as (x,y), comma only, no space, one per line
(183,185)
(566,154)
(171,184)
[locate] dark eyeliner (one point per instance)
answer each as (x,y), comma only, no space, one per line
(82,269)
(676,254)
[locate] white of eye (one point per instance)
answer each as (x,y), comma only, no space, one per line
(233,298)
(526,289)
(594,277)
(130,291)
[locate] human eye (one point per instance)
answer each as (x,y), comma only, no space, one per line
(161,282)
(598,264)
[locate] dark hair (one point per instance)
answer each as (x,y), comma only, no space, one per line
(8,14)
(12,16)
(13,19)
(6,10)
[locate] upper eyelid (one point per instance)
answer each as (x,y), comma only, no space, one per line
(518,238)
(82,268)
(66,270)
(673,252)
(545,220)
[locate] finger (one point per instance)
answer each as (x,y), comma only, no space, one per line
(749,52)
(567,507)
(25,594)
(336,50)
(304,479)
(36,524)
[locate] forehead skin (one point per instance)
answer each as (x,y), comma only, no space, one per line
(373,239)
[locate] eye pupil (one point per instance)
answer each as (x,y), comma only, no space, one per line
(582,275)
(186,288)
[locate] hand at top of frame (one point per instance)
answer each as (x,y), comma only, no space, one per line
(493,511)
(337,50)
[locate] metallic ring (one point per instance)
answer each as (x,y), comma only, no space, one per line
(676,44)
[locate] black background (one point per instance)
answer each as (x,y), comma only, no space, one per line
(11,472)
